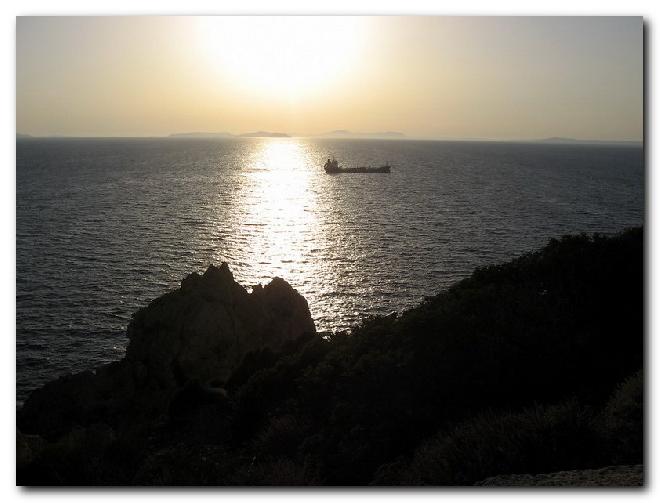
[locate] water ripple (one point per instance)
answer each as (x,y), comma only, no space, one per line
(104,226)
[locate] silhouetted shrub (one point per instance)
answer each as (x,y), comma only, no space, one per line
(537,440)
(280,437)
(277,472)
(621,422)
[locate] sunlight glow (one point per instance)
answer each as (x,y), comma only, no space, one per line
(282,57)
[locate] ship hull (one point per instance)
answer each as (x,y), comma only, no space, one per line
(381,169)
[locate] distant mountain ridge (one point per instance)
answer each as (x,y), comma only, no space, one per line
(345,133)
(264,134)
(337,133)
(254,134)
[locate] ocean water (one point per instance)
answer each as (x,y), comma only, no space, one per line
(103,226)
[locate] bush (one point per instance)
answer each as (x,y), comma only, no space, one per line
(622,421)
(535,440)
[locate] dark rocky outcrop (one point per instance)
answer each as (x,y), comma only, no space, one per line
(202,331)
(189,339)
(609,476)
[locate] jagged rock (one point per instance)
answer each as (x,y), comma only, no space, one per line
(198,333)
(203,330)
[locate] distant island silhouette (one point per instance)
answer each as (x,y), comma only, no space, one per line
(264,134)
(337,133)
(254,134)
(344,133)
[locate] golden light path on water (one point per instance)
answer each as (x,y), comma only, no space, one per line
(280,208)
(281,228)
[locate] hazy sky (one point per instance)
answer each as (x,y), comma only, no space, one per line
(430,77)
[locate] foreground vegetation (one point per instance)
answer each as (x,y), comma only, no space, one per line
(531,366)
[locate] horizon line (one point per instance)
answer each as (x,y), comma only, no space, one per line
(348,136)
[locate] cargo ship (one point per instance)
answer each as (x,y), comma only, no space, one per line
(331,166)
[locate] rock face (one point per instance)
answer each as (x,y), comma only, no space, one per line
(196,334)
(203,330)
(609,476)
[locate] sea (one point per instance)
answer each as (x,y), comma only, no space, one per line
(104,226)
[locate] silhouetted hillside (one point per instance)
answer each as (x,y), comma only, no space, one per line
(532,366)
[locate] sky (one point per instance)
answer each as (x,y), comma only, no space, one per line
(428,77)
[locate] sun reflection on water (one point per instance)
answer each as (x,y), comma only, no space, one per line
(279,211)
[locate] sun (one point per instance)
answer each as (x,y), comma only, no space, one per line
(289,57)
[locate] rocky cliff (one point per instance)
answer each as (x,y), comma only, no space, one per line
(193,337)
